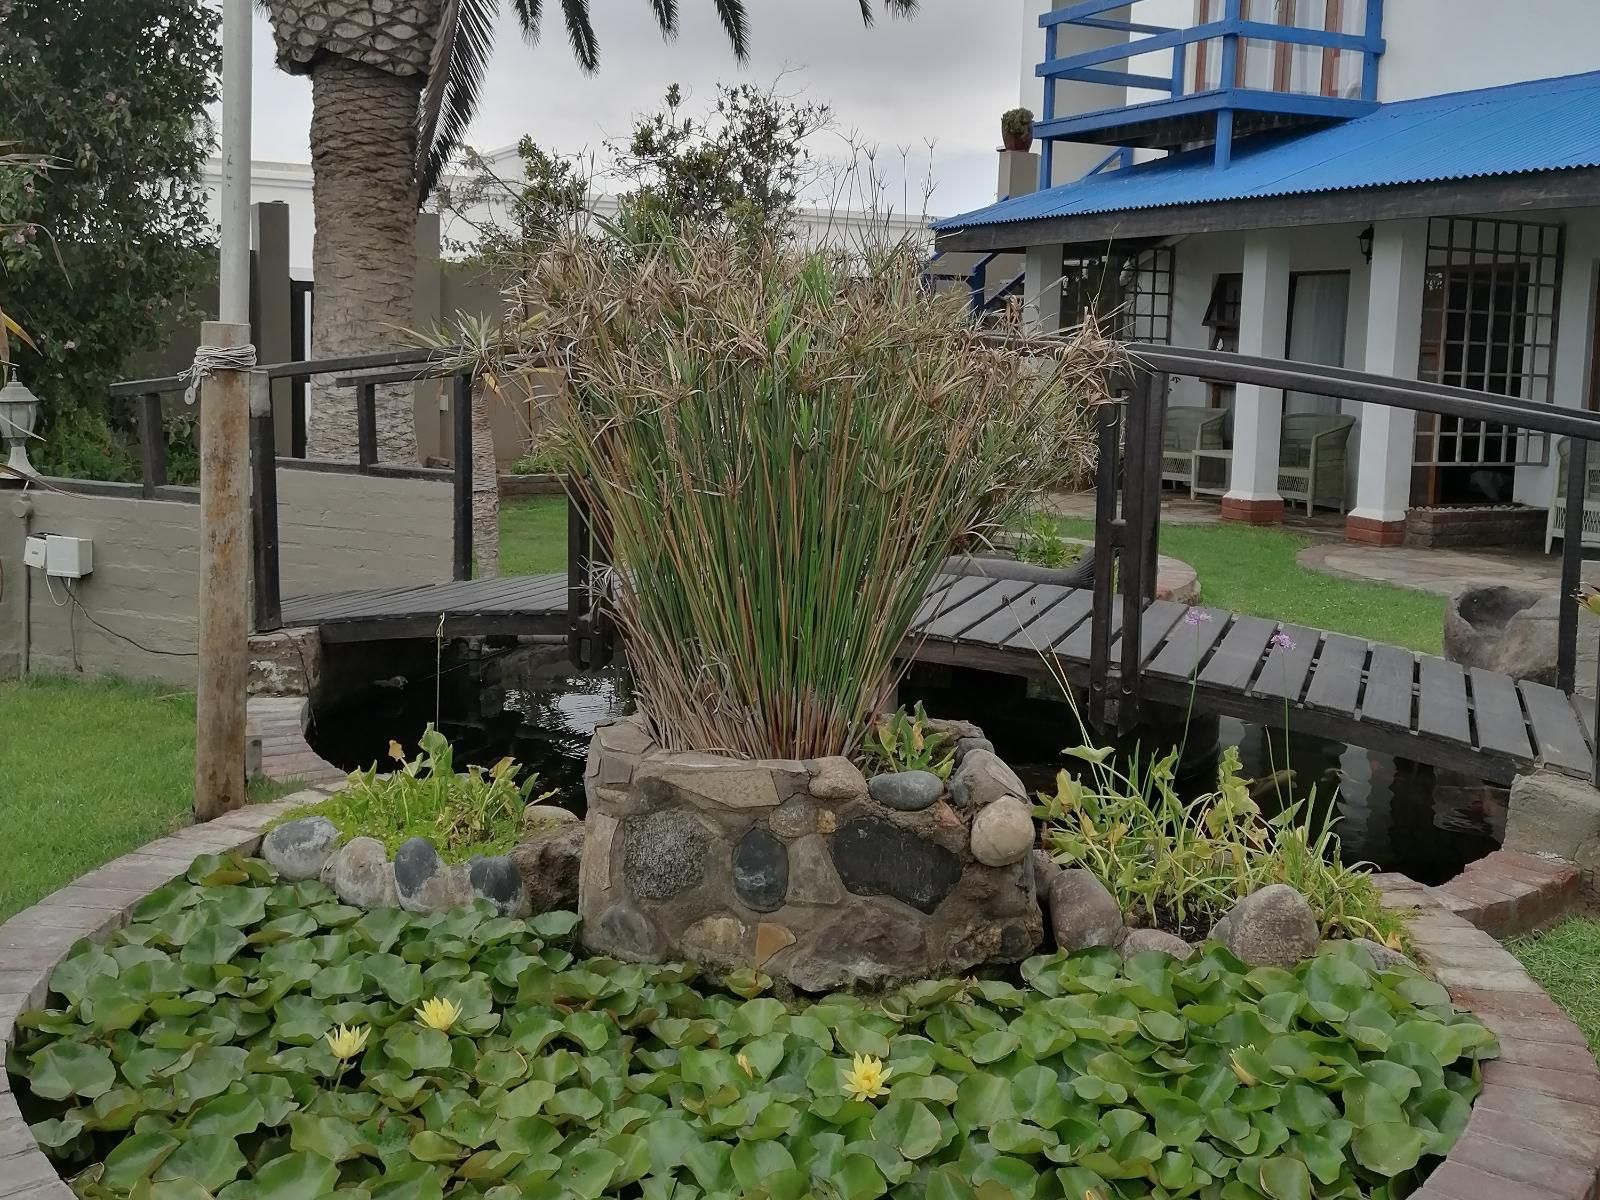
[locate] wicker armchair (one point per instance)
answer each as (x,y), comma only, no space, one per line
(1311,458)
(1186,429)
(1556,524)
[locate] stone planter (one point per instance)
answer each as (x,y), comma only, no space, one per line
(802,869)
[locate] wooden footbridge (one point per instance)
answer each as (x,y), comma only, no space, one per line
(1119,646)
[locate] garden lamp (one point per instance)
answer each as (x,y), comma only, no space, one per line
(19,410)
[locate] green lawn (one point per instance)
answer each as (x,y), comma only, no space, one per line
(89,770)
(533,536)
(1566,962)
(1254,571)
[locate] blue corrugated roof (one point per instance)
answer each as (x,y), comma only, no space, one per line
(1541,125)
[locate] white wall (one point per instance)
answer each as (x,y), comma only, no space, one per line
(1438,46)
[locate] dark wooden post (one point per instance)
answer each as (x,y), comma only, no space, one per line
(266,580)
(1155,427)
(1107,539)
(461,422)
(1571,564)
(152,444)
(1132,561)
(366,426)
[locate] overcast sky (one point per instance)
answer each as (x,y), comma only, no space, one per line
(943,77)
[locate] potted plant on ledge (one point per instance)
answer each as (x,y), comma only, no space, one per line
(1016,129)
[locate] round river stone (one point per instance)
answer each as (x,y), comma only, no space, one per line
(1002,833)
(761,870)
(906,791)
(664,854)
(299,849)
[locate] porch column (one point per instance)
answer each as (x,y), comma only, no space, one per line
(1041,290)
(1252,494)
(1394,336)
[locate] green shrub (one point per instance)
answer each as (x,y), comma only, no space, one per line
(902,741)
(1040,542)
(461,813)
(1181,865)
(785,448)
(191,1056)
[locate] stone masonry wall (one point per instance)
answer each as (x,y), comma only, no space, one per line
(795,868)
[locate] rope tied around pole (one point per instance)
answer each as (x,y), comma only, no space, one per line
(209,359)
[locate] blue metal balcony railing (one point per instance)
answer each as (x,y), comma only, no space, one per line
(1185,109)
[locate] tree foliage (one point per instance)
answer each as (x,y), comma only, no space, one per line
(104,249)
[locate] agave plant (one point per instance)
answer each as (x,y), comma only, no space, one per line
(785,446)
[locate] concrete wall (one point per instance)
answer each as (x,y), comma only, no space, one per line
(337,532)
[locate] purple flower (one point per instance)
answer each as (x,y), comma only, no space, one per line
(1196,616)
(1281,641)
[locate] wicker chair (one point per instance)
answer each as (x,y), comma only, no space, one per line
(1557,522)
(1311,458)
(1185,429)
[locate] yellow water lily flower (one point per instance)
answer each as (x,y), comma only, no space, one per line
(346,1043)
(1244,1076)
(744,1064)
(867,1078)
(438,1013)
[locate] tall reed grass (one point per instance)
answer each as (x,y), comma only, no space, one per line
(786,446)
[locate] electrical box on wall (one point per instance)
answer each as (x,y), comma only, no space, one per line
(68,557)
(33,553)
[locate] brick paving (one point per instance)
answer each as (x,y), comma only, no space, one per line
(280,723)
(1507,893)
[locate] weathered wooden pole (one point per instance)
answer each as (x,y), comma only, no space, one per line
(224,643)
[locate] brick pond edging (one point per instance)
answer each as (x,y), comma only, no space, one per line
(1534,1133)
(1508,893)
(280,724)
(36,939)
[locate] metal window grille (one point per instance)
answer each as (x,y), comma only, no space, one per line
(1489,321)
(1130,294)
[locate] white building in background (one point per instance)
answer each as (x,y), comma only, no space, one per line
(1409,187)
(290,183)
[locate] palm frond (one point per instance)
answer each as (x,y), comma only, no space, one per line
(530,14)
(734,23)
(895,8)
(580,32)
(455,78)
(666,13)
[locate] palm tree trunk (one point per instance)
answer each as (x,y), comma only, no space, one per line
(485,488)
(363,154)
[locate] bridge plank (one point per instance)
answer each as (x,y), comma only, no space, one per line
(937,603)
(1051,628)
(1390,680)
(1442,700)
(952,622)
(1336,681)
(1077,644)
(1498,711)
(1158,621)
(1021,613)
(1237,659)
(1559,735)
(1284,673)
(1186,646)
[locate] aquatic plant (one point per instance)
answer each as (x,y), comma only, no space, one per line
(189,1056)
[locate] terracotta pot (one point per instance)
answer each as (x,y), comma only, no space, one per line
(1017,141)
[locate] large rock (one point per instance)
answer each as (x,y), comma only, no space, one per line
(299,850)
(906,791)
(498,881)
(664,853)
(761,871)
(875,858)
(1514,632)
(425,882)
(361,874)
(1553,815)
(812,878)
(1144,941)
(1083,913)
(837,779)
(549,865)
(982,778)
(1383,958)
(1273,927)
(874,949)
(716,941)
(1002,832)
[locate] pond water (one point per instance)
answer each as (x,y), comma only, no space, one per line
(526,701)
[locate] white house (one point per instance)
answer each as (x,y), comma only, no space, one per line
(290,183)
(1409,187)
